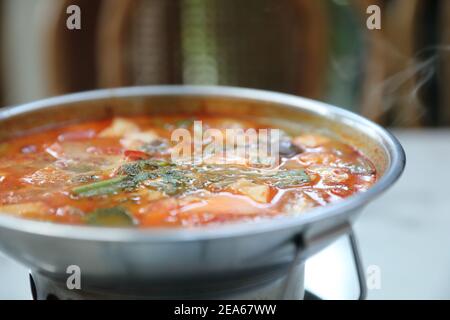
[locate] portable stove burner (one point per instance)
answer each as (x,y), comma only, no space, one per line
(43,288)
(291,286)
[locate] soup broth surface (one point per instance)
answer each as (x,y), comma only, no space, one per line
(121,172)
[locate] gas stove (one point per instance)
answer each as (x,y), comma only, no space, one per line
(330,274)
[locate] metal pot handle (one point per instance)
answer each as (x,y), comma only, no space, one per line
(299,257)
(358,265)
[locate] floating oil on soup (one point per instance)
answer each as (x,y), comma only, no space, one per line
(121,173)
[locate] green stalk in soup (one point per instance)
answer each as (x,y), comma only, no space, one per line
(123,172)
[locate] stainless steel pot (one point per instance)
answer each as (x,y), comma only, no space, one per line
(214,262)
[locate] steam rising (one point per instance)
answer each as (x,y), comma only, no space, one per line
(401,92)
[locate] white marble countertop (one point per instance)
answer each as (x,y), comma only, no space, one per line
(406,232)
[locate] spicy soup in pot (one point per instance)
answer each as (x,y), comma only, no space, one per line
(166,172)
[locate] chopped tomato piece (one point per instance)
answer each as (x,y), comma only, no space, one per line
(135,155)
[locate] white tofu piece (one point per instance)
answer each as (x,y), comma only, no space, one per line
(134,140)
(119,128)
(257,192)
(24,209)
(310,140)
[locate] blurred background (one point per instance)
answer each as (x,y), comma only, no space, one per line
(397,76)
(320,49)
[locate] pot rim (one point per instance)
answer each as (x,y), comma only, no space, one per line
(395,152)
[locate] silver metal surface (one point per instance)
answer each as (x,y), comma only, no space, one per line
(190,262)
(46,288)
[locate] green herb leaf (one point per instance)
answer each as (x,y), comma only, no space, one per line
(131,175)
(171,180)
(289,178)
(136,167)
(110,217)
(184,123)
(100,188)
(174,181)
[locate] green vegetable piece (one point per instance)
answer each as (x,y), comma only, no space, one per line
(174,181)
(184,123)
(99,188)
(110,217)
(131,175)
(287,178)
(134,168)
